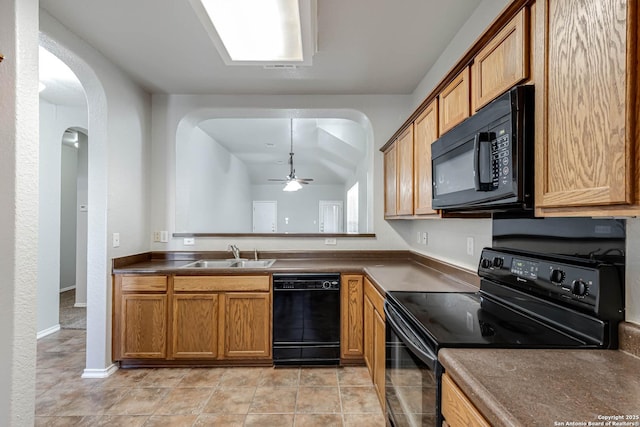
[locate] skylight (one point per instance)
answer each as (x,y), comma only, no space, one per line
(260,32)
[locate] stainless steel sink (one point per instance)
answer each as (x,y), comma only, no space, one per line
(230,263)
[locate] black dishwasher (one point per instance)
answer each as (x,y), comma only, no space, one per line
(306,319)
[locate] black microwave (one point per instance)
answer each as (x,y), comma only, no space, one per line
(486,162)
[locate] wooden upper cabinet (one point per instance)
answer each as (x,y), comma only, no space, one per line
(390,181)
(503,62)
(425,132)
(405,172)
(587,107)
(454,101)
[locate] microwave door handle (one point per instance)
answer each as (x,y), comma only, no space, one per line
(479,139)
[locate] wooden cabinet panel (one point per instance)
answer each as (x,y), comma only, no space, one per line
(143,283)
(143,326)
(454,101)
(426,131)
(503,62)
(247,325)
(351,309)
(456,407)
(390,181)
(379,355)
(374,334)
(220,283)
(195,326)
(405,172)
(586,106)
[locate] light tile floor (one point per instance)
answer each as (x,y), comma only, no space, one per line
(197,397)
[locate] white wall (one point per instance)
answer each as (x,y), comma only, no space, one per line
(215,188)
(18,209)
(381,114)
(54,120)
(301,207)
(81,220)
(118,175)
(68,216)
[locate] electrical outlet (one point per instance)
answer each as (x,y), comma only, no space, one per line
(330,241)
(116,240)
(164,236)
(156,236)
(425,238)
(418,238)
(189,241)
(470,246)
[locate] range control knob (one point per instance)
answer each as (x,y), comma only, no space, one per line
(485,263)
(326,285)
(579,288)
(498,262)
(557,276)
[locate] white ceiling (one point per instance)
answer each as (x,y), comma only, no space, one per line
(364,46)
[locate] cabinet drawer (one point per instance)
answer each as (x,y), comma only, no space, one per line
(503,62)
(220,283)
(143,283)
(457,409)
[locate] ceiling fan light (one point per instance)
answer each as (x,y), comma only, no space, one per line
(292,186)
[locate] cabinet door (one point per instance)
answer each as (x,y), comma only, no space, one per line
(405,172)
(456,407)
(454,101)
(503,62)
(143,326)
(390,181)
(247,325)
(351,308)
(379,355)
(426,131)
(195,326)
(586,83)
(368,335)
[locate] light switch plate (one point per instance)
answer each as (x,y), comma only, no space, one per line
(330,241)
(425,238)
(164,236)
(189,241)
(116,240)
(470,246)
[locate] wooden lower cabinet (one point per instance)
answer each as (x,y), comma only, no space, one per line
(457,409)
(374,335)
(247,325)
(195,326)
(191,318)
(351,317)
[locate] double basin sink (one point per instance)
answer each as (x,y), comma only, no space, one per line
(231,263)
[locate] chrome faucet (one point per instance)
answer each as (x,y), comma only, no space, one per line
(236,252)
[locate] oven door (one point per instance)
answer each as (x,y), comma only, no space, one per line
(412,375)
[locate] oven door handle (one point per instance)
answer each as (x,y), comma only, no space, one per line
(423,352)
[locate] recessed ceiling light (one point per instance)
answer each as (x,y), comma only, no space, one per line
(269,144)
(260,32)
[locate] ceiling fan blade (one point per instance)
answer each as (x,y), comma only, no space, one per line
(304,179)
(278,180)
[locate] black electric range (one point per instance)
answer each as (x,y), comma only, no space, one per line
(526,300)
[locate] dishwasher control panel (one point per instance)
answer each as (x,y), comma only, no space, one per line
(295,281)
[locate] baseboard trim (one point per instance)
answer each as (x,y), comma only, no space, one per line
(100,373)
(68,288)
(48,331)
(80,305)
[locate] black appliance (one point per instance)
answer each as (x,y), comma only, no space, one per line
(306,319)
(486,162)
(526,300)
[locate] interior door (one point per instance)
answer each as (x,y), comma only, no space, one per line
(331,216)
(265,214)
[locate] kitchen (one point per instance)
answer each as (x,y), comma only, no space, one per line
(447,238)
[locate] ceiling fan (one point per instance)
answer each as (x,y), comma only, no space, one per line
(293,182)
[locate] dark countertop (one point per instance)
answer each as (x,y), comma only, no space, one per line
(518,387)
(391,274)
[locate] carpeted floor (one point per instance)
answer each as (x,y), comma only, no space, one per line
(71,317)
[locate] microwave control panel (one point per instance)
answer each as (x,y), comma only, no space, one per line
(500,149)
